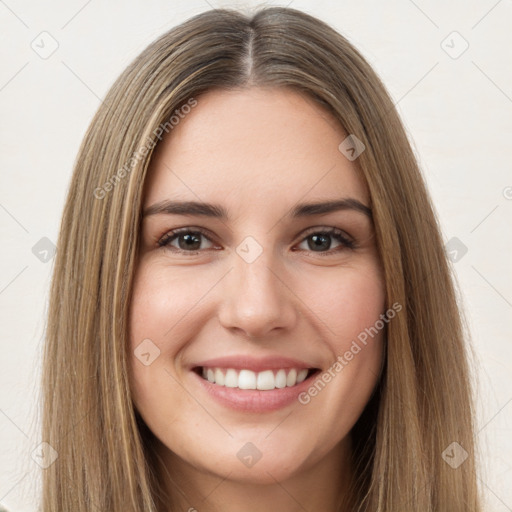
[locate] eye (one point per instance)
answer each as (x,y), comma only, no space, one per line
(189,240)
(318,240)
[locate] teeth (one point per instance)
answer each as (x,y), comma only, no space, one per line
(291,379)
(266,380)
(280,379)
(231,380)
(301,375)
(219,377)
(247,379)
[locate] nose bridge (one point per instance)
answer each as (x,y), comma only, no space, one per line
(254,275)
(256,300)
(257,275)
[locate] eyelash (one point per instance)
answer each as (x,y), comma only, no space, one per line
(334,232)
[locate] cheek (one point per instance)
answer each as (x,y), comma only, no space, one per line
(153,313)
(162,305)
(158,302)
(350,309)
(346,303)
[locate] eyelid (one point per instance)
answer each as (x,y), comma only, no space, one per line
(325,229)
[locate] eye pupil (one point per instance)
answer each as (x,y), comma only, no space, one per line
(193,239)
(320,242)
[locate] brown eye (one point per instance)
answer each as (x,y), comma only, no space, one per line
(188,240)
(320,241)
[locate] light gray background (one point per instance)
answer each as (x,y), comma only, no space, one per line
(458,112)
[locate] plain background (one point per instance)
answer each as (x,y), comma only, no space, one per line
(457,108)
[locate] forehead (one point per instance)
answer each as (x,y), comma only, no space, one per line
(256,150)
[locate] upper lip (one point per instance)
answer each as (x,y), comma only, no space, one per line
(253,363)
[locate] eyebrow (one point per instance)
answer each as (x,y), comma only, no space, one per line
(217,211)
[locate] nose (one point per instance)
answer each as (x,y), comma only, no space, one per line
(257,301)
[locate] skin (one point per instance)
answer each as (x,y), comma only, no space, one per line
(257,152)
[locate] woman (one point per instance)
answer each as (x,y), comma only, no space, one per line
(251,306)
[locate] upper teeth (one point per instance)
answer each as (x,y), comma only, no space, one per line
(247,379)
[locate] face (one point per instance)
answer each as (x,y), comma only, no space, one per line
(270,295)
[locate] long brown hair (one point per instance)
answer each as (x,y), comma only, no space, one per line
(423,402)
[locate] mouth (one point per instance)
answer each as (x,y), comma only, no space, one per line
(245,379)
(248,384)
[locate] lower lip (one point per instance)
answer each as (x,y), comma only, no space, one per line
(253,400)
